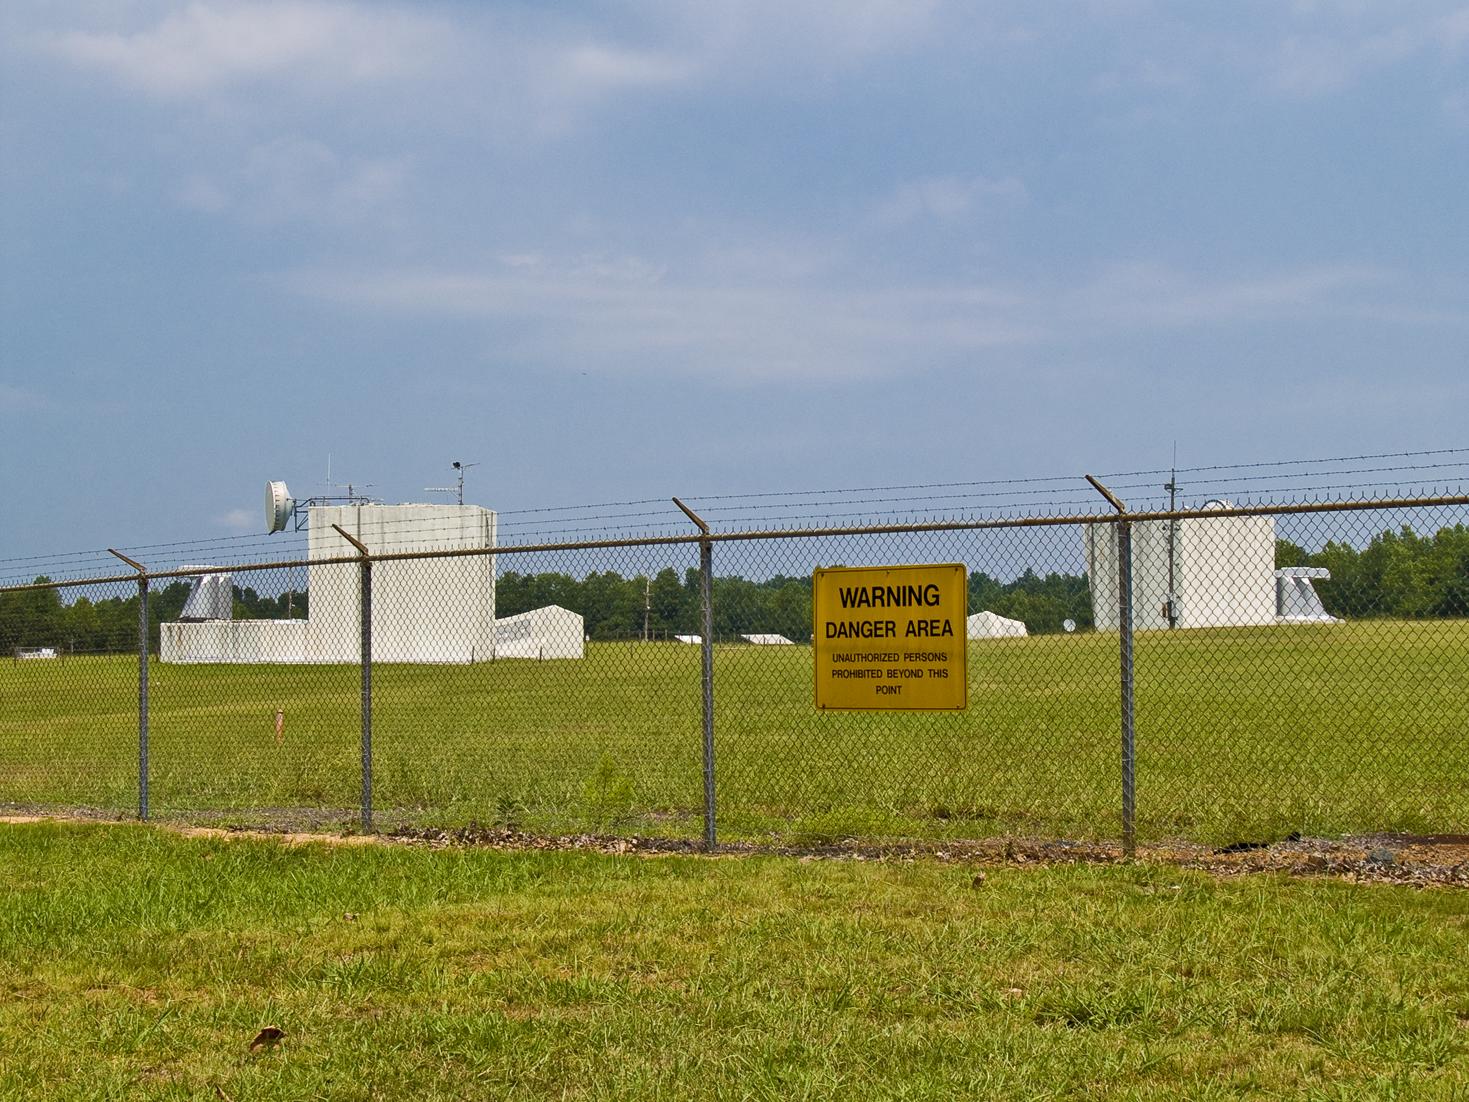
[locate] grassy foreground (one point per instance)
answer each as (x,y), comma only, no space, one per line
(1241,733)
(139,964)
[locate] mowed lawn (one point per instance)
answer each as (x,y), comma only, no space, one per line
(1241,733)
(136,963)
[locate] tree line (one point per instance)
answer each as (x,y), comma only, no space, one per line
(1397,574)
(614,607)
(42,618)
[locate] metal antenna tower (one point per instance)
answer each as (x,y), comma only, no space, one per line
(353,497)
(457,490)
(1172,487)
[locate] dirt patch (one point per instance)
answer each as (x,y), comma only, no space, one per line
(288,837)
(1420,860)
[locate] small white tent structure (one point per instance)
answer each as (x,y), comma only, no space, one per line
(767,640)
(550,632)
(991,625)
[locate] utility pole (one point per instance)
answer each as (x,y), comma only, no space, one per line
(1172,488)
(647,604)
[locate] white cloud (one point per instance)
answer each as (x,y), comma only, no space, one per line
(1156,295)
(799,35)
(1453,30)
(203,194)
(627,317)
(541,63)
(205,47)
(632,316)
(295,178)
(947,199)
(238,520)
(1330,55)
(1166,56)
(1309,66)
(595,69)
(19,399)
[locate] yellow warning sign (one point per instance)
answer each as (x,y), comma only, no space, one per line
(890,637)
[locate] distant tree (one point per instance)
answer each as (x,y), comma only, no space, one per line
(790,610)
(1397,574)
(669,607)
(1290,554)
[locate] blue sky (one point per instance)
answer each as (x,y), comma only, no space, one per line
(619,251)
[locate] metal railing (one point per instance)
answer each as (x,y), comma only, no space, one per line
(1298,666)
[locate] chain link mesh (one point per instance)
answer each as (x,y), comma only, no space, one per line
(254,719)
(69,698)
(1294,671)
(1333,700)
(578,709)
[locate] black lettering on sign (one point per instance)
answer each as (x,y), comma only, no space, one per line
(861,629)
(889,596)
(930,629)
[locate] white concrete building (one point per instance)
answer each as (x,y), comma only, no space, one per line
(424,610)
(1209,571)
(243,641)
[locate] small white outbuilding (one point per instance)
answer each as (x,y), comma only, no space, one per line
(550,632)
(1296,599)
(991,625)
(211,597)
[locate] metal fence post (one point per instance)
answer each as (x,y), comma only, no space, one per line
(1124,625)
(367,696)
(143,697)
(142,682)
(706,587)
(706,600)
(365,622)
(1124,616)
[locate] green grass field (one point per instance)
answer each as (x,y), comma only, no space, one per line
(1241,733)
(135,963)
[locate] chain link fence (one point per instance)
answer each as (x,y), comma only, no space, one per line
(1210,674)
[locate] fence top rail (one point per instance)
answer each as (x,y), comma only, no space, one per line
(1284,509)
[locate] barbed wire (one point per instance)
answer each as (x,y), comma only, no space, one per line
(919,502)
(1286,463)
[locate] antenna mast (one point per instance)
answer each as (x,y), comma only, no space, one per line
(352,497)
(1172,487)
(458,489)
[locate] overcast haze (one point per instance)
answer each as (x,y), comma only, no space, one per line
(620,251)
